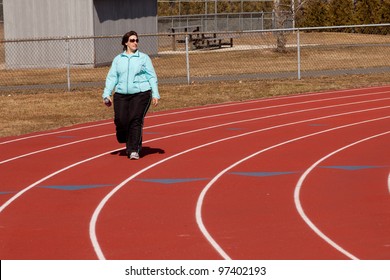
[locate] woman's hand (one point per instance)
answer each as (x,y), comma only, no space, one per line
(107,101)
(155,101)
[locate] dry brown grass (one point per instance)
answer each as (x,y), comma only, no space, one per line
(32,111)
(29,111)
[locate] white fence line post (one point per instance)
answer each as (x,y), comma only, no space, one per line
(299,54)
(67,62)
(188,61)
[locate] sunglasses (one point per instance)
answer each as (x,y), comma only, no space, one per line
(133,40)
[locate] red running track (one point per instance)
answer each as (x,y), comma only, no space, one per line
(302,177)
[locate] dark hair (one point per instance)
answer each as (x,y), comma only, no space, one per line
(126,37)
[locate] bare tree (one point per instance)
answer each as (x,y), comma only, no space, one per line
(284,10)
(280,19)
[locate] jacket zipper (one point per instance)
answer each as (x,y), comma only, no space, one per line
(128,73)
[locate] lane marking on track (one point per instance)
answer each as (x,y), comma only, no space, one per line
(298,204)
(20,193)
(388,182)
(195,119)
(92,228)
(52,133)
(268,99)
(111,122)
(273,107)
(17,195)
(197,109)
(54,147)
(198,212)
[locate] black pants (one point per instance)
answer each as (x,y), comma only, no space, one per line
(130,111)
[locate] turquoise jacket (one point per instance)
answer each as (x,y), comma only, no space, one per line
(131,73)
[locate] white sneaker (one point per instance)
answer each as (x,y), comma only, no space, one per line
(134,155)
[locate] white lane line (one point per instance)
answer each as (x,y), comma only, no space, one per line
(268,99)
(277,106)
(199,118)
(52,133)
(298,204)
(92,228)
(55,147)
(111,122)
(20,193)
(17,195)
(388,182)
(199,109)
(199,205)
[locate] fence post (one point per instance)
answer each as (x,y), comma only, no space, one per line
(299,54)
(67,62)
(188,61)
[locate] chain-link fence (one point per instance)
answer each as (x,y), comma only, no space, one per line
(70,63)
(225,21)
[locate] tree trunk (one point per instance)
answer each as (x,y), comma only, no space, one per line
(281,38)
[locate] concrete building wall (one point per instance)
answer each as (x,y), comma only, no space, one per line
(24,19)
(118,17)
(47,18)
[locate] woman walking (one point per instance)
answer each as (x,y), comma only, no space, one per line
(134,80)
